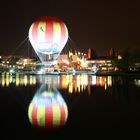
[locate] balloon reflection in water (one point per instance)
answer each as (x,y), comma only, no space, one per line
(47,109)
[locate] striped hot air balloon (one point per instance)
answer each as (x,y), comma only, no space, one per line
(48,109)
(48,35)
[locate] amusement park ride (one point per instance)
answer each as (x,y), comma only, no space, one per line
(48,36)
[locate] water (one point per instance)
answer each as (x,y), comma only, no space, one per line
(91,105)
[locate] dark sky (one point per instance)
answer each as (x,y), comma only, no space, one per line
(99,24)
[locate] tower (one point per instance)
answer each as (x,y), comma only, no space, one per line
(91,54)
(112,52)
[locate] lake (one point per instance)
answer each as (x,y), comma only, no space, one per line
(61,106)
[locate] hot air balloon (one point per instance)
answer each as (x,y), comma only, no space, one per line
(48,36)
(47,109)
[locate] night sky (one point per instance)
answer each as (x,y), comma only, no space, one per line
(99,24)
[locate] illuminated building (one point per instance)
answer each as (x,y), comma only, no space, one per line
(17,62)
(63,61)
(26,63)
(102,63)
(74,60)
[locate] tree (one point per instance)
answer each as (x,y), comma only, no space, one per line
(129,59)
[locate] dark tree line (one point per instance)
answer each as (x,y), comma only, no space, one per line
(130,60)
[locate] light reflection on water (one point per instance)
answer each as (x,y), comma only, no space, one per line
(137,82)
(18,80)
(71,83)
(101,101)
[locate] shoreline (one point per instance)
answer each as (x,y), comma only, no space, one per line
(75,73)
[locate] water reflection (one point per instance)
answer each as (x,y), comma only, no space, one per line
(48,108)
(49,80)
(80,83)
(89,97)
(74,83)
(18,80)
(104,81)
(137,82)
(70,83)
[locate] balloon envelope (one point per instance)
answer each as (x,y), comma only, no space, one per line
(48,35)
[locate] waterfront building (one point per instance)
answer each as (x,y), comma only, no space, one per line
(102,63)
